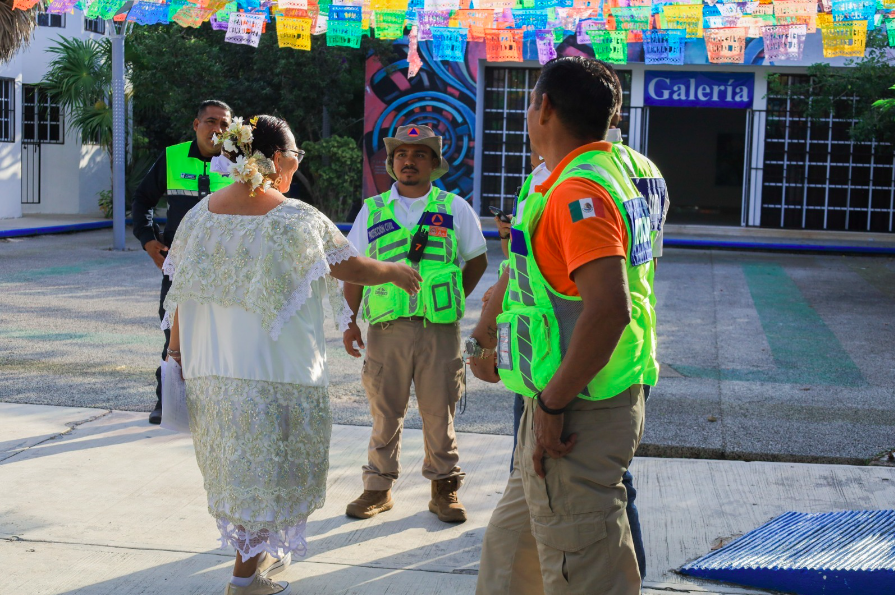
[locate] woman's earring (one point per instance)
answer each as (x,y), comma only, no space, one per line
(277,182)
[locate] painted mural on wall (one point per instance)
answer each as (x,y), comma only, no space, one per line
(442,96)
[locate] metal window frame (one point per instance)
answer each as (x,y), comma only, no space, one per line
(487,88)
(91,26)
(879,186)
(50,18)
(38,123)
(7,110)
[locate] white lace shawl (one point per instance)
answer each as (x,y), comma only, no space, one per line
(265,264)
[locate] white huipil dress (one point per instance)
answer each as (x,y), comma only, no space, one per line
(249,294)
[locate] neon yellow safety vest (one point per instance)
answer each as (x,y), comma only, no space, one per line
(184,171)
(537,322)
(648,180)
(441,299)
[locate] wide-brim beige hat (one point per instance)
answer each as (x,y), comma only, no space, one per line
(415,135)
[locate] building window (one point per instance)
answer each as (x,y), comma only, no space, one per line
(95,26)
(816,177)
(506,158)
(45,19)
(7,110)
(41,117)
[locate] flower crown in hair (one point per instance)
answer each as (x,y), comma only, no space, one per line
(251,167)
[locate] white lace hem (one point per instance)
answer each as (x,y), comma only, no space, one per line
(289,540)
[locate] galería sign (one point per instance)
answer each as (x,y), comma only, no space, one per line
(699,89)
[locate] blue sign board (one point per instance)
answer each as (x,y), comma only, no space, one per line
(699,89)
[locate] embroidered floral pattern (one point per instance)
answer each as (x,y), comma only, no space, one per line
(263,449)
(264,264)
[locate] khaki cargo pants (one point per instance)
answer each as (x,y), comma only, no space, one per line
(398,353)
(568,534)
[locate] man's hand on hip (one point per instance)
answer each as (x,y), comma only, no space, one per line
(548,439)
(154,249)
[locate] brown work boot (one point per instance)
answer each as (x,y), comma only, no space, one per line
(370,503)
(444,501)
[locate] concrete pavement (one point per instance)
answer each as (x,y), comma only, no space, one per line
(96,502)
(765,356)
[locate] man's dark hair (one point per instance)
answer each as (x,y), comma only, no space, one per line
(584,92)
(212,103)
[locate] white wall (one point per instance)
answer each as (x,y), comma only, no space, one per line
(71,174)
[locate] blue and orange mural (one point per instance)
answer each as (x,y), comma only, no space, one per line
(442,96)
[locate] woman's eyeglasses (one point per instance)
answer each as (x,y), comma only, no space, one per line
(299,154)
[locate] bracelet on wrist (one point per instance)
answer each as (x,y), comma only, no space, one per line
(546,409)
(173,353)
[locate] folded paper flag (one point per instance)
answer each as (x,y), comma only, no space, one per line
(683,16)
(294,33)
(664,46)
(726,46)
(610,46)
(633,18)
(476,21)
(23,4)
(890,31)
(504,45)
(784,42)
(148,13)
(546,48)
(190,16)
(529,19)
(428,19)
(442,5)
(343,33)
(64,6)
(413,55)
(219,24)
(796,12)
(292,5)
(586,25)
(449,43)
(389,23)
(854,10)
(847,39)
(345,13)
(244,29)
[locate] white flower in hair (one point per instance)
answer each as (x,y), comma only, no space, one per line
(245,134)
(257,179)
(229,146)
(235,125)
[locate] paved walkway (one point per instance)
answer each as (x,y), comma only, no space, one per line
(765,356)
(96,502)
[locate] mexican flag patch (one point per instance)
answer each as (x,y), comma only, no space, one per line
(585,208)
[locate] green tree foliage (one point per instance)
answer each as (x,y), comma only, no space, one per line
(79,79)
(175,69)
(863,90)
(335,166)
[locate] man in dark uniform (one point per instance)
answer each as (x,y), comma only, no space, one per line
(183,176)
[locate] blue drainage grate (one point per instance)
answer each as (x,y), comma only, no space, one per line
(835,553)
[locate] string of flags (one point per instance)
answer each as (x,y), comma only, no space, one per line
(663,27)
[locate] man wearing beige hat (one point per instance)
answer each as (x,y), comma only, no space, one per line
(414,339)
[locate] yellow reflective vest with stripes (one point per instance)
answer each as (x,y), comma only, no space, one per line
(536,325)
(183,173)
(441,299)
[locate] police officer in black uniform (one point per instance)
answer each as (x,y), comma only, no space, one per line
(183,176)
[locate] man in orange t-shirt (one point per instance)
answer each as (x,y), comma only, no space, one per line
(561,526)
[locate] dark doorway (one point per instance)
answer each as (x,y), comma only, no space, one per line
(701,152)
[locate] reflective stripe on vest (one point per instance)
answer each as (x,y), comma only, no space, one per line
(441,299)
(535,328)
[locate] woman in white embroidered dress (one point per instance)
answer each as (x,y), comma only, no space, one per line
(250,269)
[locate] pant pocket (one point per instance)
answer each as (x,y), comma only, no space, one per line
(569,533)
(371,377)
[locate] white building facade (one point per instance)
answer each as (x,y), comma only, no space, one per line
(45,166)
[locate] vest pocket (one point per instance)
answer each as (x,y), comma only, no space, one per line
(443,297)
(529,348)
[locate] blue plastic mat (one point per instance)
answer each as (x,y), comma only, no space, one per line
(834,553)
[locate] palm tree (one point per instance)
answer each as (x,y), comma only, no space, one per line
(16,27)
(79,79)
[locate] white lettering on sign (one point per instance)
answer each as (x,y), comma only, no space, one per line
(722,92)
